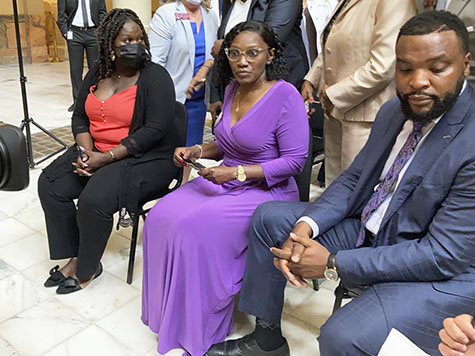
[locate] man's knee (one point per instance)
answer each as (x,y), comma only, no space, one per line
(343,339)
(350,332)
(270,223)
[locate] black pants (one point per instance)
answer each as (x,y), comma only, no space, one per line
(83,232)
(82,40)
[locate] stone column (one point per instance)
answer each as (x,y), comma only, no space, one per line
(32,30)
(143,8)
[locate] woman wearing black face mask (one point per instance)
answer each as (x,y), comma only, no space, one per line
(125,135)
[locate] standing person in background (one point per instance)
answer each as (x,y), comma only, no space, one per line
(78,20)
(284,16)
(354,74)
(182,33)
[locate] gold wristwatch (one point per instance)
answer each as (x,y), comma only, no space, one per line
(330,270)
(241,174)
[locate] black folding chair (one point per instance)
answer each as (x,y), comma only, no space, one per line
(316,126)
(341,292)
(181,121)
(303,179)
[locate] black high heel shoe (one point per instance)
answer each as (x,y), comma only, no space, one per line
(55,278)
(71,285)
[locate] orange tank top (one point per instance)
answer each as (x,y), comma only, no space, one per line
(109,120)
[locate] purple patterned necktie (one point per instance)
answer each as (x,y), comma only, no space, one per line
(390,180)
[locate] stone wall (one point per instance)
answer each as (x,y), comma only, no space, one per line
(33,39)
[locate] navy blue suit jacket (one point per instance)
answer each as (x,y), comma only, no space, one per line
(428,231)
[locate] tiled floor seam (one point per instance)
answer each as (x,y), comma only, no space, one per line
(52,298)
(306,322)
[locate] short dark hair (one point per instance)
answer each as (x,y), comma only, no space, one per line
(436,21)
(106,35)
(277,69)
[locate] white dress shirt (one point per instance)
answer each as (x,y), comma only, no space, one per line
(376,218)
(78,20)
(238,14)
(320,11)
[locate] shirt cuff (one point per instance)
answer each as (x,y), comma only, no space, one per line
(312,223)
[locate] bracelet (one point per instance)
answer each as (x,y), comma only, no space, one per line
(207,66)
(112,155)
(201,150)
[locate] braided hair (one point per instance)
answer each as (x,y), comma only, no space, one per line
(277,69)
(106,35)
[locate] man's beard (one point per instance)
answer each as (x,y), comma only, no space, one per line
(440,106)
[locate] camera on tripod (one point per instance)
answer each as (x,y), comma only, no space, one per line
(14,174)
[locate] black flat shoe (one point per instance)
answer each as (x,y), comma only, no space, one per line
(245,346)
(71,285)
(55,277)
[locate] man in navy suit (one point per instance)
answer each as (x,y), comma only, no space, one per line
(400,221)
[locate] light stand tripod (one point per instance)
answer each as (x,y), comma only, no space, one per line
(27,120)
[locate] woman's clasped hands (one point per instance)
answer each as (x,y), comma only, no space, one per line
(89,161)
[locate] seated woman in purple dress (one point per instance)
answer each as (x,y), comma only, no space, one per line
(195,239)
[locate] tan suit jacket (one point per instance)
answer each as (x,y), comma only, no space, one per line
(358,61)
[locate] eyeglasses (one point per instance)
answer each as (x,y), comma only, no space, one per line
(251,55)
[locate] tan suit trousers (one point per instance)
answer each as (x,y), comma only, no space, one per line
(343,140)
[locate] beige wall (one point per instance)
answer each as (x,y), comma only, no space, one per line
(32,7)
(39,29)
(32,30)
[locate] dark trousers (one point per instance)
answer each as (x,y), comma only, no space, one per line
(83,40)
(360,327)
(83,232)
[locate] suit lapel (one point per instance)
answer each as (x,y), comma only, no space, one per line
(337,9)
(378,157)
(92,11)
(347,8)
(189,34)
(224,22)
(436,142)
(76,6)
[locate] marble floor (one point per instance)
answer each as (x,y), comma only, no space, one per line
(104,319)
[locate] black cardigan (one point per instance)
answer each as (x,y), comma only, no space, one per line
(152,134)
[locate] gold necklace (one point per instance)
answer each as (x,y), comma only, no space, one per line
(238,95)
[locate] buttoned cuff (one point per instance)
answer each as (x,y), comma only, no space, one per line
(312,223)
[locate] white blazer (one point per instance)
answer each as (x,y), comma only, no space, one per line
(173,46)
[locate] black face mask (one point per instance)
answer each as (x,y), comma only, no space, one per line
(134,54)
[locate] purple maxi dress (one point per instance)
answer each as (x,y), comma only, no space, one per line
(195,239)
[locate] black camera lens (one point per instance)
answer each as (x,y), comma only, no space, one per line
(14,174)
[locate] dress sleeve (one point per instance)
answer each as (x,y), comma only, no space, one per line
(292,136)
